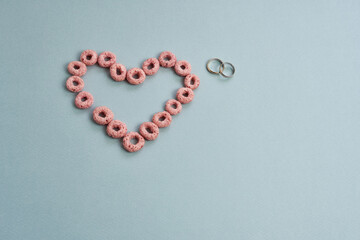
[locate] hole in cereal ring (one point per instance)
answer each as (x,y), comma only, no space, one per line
(107,59)
(102,114)
(162,118)
(88,57)
(136,76)
(116,129)
(185,94)
(83,99)
(192,81)
(174,106)
(118,71)
(75,83)
(76,67)
(134,140)
(149,130)
(151,66)
(182,67)
(167,58)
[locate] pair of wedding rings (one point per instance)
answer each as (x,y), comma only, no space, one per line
(222,67)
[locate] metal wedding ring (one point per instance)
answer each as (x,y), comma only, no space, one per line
(221,68)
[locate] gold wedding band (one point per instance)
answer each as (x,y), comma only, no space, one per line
(211,60)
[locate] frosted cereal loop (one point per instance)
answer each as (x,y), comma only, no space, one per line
(89,57)
(149,130)
(116,129)
(106,59)
(75,84)
(173,106)
(84,100)
(77,68)
(133,147)
(135,76)
(182,68)
(102,115)
(192,81)
(167,59)
(118,72)
(151,66)
(184,95)
(162,119)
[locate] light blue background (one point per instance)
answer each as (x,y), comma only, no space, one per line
(272,153)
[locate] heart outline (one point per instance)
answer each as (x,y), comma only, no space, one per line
(134,76)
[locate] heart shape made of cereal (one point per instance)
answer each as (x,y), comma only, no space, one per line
(104,116)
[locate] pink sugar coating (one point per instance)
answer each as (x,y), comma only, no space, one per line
(89,57)
(170,109)
(192,81)
(116,129)
(151,66)
(130,147)
(167,59)
(182,68)
(77,68)
(152,127)
(161,124)
(102,59)
(115,69)
(71,81)
(107,115)
(135,71)
(88,100)
(184,99)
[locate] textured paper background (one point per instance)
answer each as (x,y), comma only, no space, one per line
(272,153)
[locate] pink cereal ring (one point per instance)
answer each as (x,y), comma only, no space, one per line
(184,95)
(192,81)
(102,115)
(118,72)
(89,57)
(151,66)
(116,129)
(149,130)
(173,106)
(182,68)
(167,59)
(131,147)
(74,84)
(162,119)
(76,68)
(135,76)
(84,100)
(106,59)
